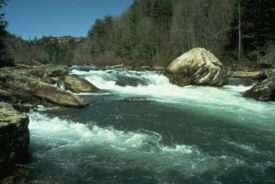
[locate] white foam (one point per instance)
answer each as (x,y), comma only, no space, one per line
(141,147)
(240,88)
(224,102)
(244,147)
(75,134)
(178,148)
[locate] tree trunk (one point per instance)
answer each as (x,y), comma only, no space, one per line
(240,32)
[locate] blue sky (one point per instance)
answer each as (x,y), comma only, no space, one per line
(35,18)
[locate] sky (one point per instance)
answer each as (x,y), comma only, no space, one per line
(35,18)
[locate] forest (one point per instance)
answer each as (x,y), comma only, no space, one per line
(154,32)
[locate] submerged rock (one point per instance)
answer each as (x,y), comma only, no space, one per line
(14,135)
(29,89)
(198,67)
(241,81)
(134,99)
(79,85)
(263,91)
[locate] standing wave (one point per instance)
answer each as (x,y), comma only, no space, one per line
(140,148)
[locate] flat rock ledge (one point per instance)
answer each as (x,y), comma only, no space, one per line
(14,136)
(243,74)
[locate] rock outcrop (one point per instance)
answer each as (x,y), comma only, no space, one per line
(264,91)
(267,73)
(79,85)
(46,73)
(196,67)
(21,88)
(14,135)
(49,71)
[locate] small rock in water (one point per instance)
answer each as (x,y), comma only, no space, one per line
(134,99)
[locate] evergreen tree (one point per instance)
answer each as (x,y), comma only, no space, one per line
(101,35)
(162,12)
(4,58)
(128,42)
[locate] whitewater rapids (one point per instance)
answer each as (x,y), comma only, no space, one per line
(178,135)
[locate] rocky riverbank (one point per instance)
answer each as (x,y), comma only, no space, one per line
(40,85)
(14,136)
(21,85)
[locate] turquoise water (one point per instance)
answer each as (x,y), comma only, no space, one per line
(178,135)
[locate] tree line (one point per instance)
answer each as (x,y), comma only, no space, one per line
(5,59)
(154,32)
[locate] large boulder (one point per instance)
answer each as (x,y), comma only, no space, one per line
(79,85)
(14,135)
(32,90)
(264,91)
(196,67)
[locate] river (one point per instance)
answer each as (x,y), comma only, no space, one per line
(179,135)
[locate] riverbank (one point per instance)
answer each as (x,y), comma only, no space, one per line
(22,89)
